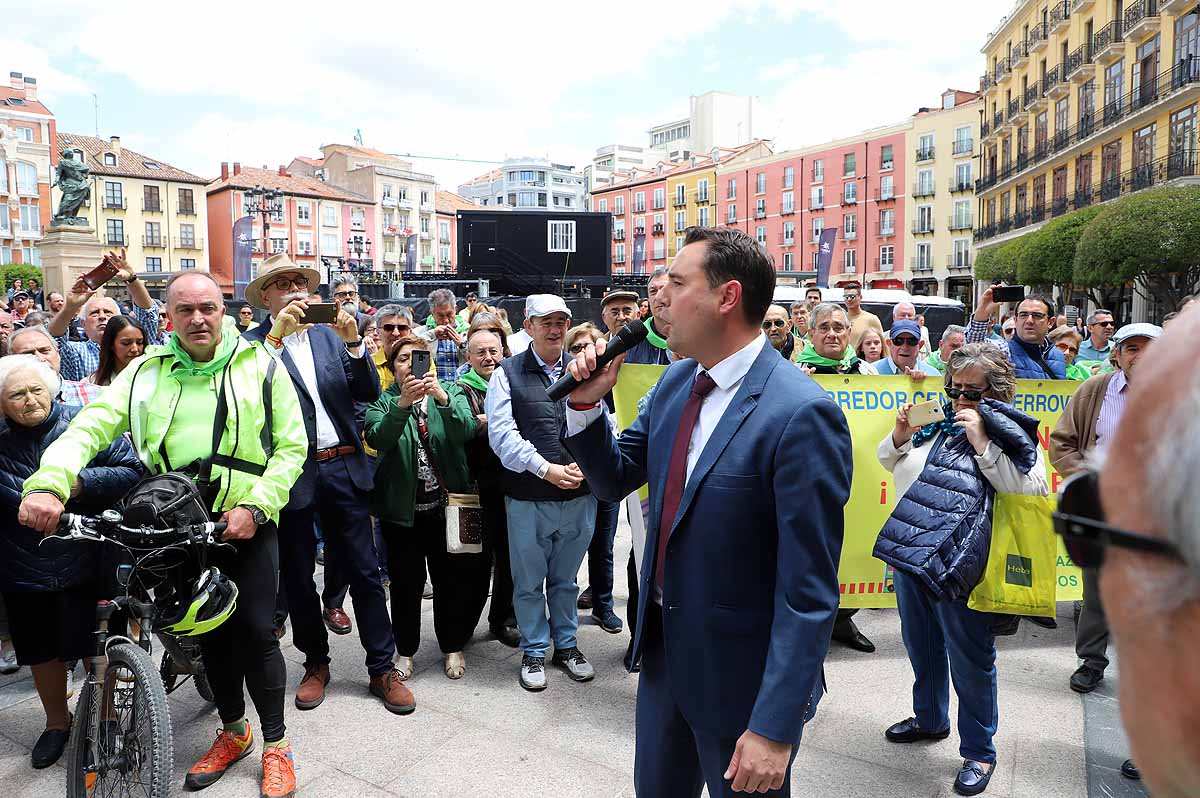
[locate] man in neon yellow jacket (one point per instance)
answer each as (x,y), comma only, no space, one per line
(171,402)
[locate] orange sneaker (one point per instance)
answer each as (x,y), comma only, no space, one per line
(279,772)
(226,749)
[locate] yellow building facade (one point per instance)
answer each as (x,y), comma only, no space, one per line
(691,201)
(157,212)
(1085,101)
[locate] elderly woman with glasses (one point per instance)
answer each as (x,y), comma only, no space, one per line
(828,350)
(937,539)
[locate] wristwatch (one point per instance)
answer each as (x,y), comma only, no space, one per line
(258,515)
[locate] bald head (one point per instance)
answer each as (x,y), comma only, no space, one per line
(1148,486)
(775,325)
(196,309)
(904,310)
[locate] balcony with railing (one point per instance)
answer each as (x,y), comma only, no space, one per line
(186,210)
(960,221)
(1030,97)
(849,197)
(920,264)
(1038,38)
(787,240)
(1141,19)
(923,227)
(925,153)
(188,242)
(153,242)
(848,235)
(962,147)
(1004,225)
(115,203)
(1014,109)
(117,240)
(985,130)
(997,121)
(1002,71)
(887,230)
(657,230)
(1060,16)
(619,235)
(885,195)
(884,266)
(680,201)
(960,260)
(1020,52)
(701,196)
(959,186)
(985,82)
(818,175)
(1108,43)
(151,206)
(1053,87)
(1079,67)
(923,189)
(788,210)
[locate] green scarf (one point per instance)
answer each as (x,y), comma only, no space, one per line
(474,379)
(189,368)
(652,335)
(1081,370)
(935,360)
(809,357)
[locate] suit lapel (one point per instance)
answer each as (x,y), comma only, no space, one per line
(742,404)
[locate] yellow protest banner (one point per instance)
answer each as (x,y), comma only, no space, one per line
(870,405)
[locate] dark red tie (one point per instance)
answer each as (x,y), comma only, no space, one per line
(677,471)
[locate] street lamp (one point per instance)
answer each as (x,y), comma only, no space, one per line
(264,202)
(358,245)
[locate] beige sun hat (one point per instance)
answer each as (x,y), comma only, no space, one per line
(271,268)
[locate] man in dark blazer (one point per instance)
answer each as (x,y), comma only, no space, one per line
(330,373)
(748,464)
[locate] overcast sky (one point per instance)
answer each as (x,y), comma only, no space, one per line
(199,83)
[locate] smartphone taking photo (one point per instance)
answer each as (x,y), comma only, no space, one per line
(100,275)
(1008,293)
(421,360)
(926,413)
(320,313)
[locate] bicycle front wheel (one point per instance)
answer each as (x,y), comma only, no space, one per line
(121,741)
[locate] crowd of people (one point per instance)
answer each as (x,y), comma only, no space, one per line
(424,458)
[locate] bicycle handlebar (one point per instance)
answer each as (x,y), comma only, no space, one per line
(93,528)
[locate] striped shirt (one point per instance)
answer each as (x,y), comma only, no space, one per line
(1111,410)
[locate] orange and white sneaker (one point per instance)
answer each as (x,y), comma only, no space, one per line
(226,749)
(279,772)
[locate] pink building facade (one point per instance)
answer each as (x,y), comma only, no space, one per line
(856,186)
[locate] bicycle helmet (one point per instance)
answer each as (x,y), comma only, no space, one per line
(211,602)
(164,502)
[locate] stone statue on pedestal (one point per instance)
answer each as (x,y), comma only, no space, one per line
(72,179)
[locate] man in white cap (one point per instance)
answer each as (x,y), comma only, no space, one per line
(1088,426)
(551,512)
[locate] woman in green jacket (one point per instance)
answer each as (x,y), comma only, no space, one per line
(420,427)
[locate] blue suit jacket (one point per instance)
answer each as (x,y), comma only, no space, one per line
(751,587)
(341,381)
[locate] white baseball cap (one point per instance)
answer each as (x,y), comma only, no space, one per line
(1140,330)
(544,305)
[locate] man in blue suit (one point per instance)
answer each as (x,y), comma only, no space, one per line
(748,463)
(330,373)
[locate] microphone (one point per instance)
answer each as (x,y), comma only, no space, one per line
(632,333)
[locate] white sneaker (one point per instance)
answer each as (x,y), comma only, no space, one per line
(533,673)
(8,658)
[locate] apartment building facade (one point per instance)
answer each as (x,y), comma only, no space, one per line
(448,204)
(27,162)
(529,184)
(316,224)
(1085,101)
(156,211)
(857,185)
(404,199)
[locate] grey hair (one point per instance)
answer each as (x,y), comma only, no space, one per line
(660,271)
(343,279)
(996,365)
(825,309)
(1170,472)
(951,329)
(1091,319)
(395,310)
(441,296)
(10,364)
(797,304)
(37,328)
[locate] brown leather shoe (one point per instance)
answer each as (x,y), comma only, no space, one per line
(395,694)
(311,691)
(337,621)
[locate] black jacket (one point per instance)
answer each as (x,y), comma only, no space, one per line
(24,564)
(941,529)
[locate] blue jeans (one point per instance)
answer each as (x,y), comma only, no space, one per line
(600,556)
(946,639)
(546,544)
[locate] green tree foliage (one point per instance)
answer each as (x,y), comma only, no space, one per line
(999,263)
(1048,258)
(1151,239)
(19,271)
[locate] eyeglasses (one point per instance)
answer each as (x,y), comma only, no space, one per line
(851,296)
(970,394)
(285,283)
(345,294)
(1008,331)
(822,329)
(577,348)
(905,340)
(1030,314)
(1080,521)
(769,323)
(390,328)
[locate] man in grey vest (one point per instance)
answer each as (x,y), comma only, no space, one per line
(551,512)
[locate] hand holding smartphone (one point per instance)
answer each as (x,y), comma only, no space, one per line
(100,275)
(420,363)
(926,413)
(320,313)
(1008,293)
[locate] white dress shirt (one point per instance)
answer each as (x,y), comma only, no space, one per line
(300,348)
(515,453)
(728,375)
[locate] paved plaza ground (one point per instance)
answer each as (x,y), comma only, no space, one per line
(485,736)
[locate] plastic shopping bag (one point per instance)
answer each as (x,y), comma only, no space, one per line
(1021,574)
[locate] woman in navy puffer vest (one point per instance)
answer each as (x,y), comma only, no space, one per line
(50,588)
(937,540)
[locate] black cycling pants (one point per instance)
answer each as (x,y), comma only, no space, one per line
(243,650)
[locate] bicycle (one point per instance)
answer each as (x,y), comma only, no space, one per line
(121,742)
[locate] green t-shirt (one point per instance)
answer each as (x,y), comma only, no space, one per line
(191,437)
